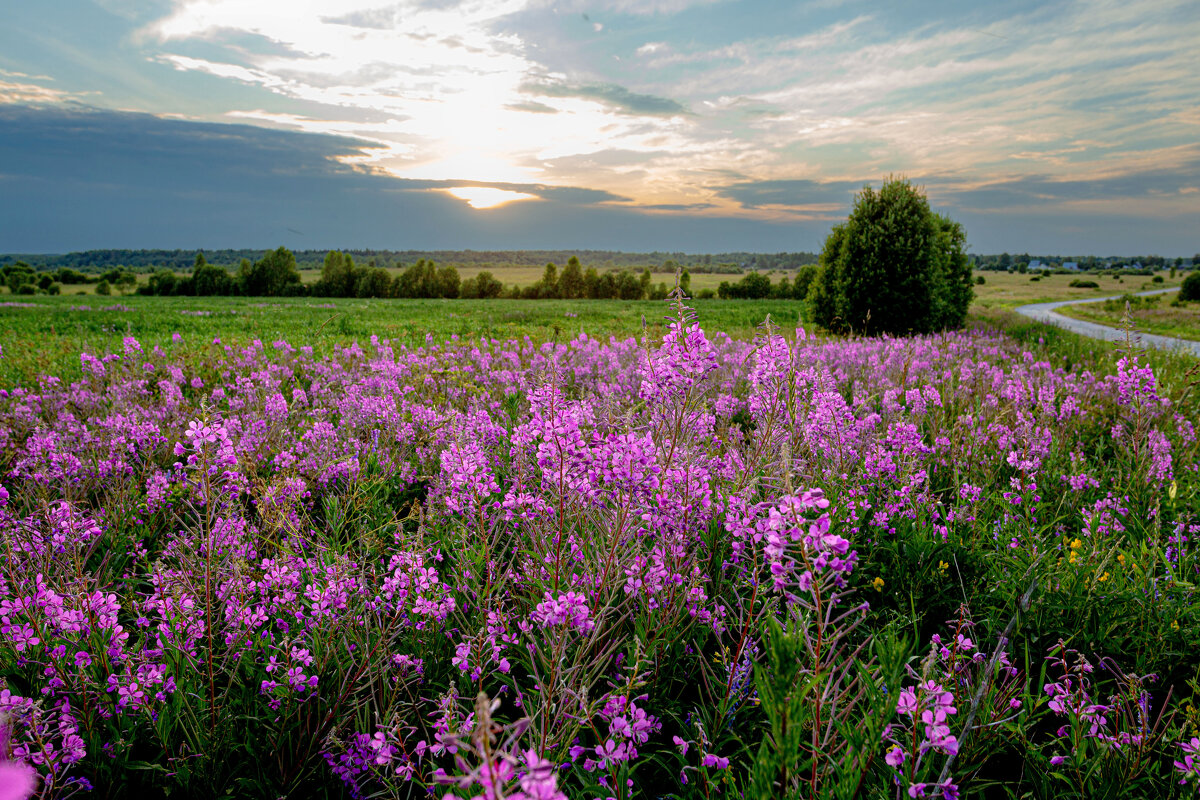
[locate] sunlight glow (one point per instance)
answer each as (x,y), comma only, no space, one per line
(487,197)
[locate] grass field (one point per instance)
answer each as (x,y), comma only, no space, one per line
(1009,290)
(45,334)
(1150,314)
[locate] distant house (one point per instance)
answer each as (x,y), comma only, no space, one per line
(1070,265)
(1035,264)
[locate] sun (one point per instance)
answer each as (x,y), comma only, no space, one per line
(487,197)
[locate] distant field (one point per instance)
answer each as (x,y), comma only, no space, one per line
(1148,314)
(1009,290)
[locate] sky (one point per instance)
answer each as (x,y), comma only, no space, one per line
(674,125)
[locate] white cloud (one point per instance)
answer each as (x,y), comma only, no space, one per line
(637,8)
(31,93)
(649,48)
(444,90)
(452,91)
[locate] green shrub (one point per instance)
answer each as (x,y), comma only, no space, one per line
(1079,283)
(1190,290)
(894,266)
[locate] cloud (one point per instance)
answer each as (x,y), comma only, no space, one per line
(806,194)
(681,106)
(22,92)
(650,48)
(532,107)
(440,73)
(611,95)
(372,18)
(78,178)
(682,207)
(636,8)
(572,195)
(1128,188)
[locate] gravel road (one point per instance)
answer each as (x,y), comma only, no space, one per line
(1044,312)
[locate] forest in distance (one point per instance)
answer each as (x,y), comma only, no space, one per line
(282,273)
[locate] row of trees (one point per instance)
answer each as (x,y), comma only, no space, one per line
(22,278)
(577,283)
(179,260)
(1006,262)
(756,286)
(273,275)
(276,275)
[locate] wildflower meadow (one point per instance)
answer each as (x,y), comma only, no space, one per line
(680,566)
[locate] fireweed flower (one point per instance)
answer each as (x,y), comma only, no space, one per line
(568,609)
(799,544)
(287,519)
(1189,766)
(683,360)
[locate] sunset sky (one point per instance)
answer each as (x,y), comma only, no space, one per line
(693,125)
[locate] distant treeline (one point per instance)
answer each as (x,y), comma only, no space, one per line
(178,260)
(276,275)
(1020,262)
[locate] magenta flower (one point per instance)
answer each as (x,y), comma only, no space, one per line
(17,781)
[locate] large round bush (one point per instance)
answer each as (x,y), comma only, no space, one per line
(895,266)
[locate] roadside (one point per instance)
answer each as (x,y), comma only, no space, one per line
(1163,315)
(1046,313)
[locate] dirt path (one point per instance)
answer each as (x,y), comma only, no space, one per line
(1044,312)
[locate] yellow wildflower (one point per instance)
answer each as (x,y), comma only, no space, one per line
(1076,544)
(1104,577)
(878,584)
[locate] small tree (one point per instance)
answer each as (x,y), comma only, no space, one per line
(804,281)
(548,285)
(570,282)
(339,277)
(373,282)
(272,276)
(210,280)
(448,281)
(591,283)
